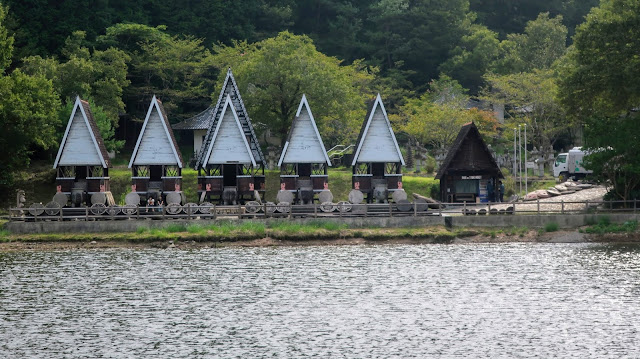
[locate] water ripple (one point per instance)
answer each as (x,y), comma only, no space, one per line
(498,301)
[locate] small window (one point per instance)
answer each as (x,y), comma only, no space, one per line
(561,159)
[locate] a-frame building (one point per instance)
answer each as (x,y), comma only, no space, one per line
(82,162)
(156,162)
(469,171)
(377,160)
(231,161)
(304,160)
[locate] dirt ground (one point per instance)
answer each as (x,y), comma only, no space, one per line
(531,236)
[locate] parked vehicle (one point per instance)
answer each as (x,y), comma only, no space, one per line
(570,165)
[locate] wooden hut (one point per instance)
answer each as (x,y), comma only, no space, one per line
(156,162)
(82,162)
(469,171)
(377,161)
(198,124)
(304,161)
(231,164)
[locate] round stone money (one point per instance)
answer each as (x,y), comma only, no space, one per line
(98,197)
(421,204)
(325,196)
(284,196)
(404,205)
(132,199)
(52,208)
(61,199)
(399,195)
(174,198)
(355,196)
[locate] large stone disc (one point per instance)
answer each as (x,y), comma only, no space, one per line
(128,210)
(325,196)
(190,208)
(98,208)
(252,206)
(284,207)
(98,197)
(206,208)
(174,208)
(344,206)
(421,204)
(327,207)
(399,195)
(36,209)
(284,196)
(404,205)
(271,207)
(355,196)
(52,208)
(61,199)
(132,199)
(174,198)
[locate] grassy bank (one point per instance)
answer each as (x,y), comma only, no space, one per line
(246,230)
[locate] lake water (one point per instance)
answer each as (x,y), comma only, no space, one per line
(386,301)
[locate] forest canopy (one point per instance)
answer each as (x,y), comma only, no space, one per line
(537,61)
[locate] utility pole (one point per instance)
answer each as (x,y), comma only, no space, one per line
(515,155)
(526,171)
(520,157)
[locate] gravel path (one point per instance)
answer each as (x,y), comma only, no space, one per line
(555,204)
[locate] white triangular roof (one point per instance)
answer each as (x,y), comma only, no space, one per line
(79,146)
(230,87)
(304,144)
(377,141)
(229,144)
(155,144)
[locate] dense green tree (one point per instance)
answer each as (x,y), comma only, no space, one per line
(273,74)
(415,36)
(543,41)
(435,118)
(530,98)
(178,69)
(599,88)
(97,74)
(476,55)
(511,16)
(28,108)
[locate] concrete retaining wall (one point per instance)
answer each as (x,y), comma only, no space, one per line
(566,221)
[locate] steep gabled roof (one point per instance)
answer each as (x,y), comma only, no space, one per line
(469,153)
(86,142)
(377,142)
(201,121)
(229,143)
(304,144)
(156,143)
(230,89)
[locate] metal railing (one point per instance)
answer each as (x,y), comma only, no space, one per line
(326,210)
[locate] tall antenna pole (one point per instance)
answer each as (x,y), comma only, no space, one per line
(526,171)
(515,154)
(520,157)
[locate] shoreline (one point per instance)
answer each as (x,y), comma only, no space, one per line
(343,237)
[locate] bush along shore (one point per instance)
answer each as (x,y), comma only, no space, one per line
(256,234)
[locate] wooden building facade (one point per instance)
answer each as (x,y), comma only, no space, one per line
(377,161)
(304,161)
(469,172)
(231,164)
(82,162)
(156,162)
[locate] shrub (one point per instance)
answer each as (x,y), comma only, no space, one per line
(551,227)
(175,227)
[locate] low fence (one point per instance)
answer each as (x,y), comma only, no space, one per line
(342,209)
